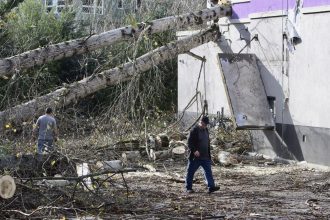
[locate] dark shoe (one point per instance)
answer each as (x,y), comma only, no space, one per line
(189,191)
(213,189)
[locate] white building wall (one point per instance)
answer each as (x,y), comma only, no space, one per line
(309,73)
(300,80)
(189,68)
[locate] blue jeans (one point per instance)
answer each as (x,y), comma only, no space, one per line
(193,166)
(42,144)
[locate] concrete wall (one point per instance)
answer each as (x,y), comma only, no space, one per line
(189,69)
(298,79)
(309,73)
(304,78)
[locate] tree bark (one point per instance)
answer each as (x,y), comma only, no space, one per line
(39,56)
(69,94)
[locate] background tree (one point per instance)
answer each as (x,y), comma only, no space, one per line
(26,27)
(147,96)
(155,92)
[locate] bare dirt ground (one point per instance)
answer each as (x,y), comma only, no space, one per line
(250,191)
(253,190)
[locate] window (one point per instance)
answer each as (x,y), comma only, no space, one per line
(138,3)
(58,5)
(120,4)
(99,7)
(88,6)
(271,102)
(132,4)
(304,138)
(93,6)
(49,4)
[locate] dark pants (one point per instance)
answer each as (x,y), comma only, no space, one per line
(42,144)
(193,166)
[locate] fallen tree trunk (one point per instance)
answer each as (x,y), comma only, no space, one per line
(39,56)
(69,94)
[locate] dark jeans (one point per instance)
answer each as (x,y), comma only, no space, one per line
(193,166)
(42,144)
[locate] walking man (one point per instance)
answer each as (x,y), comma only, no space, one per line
(200,155)
(46,131)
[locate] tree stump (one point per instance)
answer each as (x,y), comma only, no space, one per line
(179,152)
(7,187)
(129,157)
(162,141)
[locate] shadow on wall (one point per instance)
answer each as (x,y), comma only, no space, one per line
(283,141)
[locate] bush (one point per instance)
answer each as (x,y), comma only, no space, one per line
(26,27)
(30,26)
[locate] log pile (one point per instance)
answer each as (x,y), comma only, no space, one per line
(228,147)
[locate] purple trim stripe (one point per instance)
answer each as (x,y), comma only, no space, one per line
(313,3)
(242,10)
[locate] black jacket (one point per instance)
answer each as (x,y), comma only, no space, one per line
(193,142)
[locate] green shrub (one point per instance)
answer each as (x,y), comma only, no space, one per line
(30,26)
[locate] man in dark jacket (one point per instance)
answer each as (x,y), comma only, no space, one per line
(200,155)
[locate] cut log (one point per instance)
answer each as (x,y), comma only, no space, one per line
(148,167)
(226,159)
(43,55)
(83,170)
(162,141)
(164,154)
(174,144)
(177,152)
(180,150)
(7,187)
(131,157)
(69,94)
(121,146)
(114,165)
(177,136)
